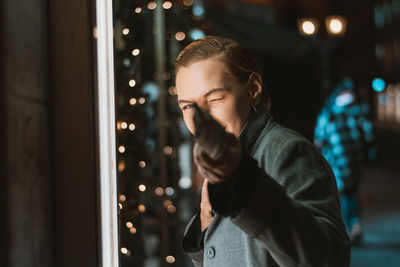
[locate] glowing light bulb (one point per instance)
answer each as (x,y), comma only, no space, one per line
(167,203)
(188,2)
(124,125)
(185,182)
(142,188)
(198,11)
(132,101)
(142,208)
(138,10)
(335,26)
(196,34)
(142,100)
(132,83)
(121,166)
(168,150)
(170,259)
(132,230)
(124,250)
(129,224)
(308,27)
(169,191)
(121,149)
(171,208)
(135,52)
(172,90)
(167,5)
(132,127)
(142,164)
(378,84)
(180,36)
(159,191)
(122,198)
(125,31)
(151,5)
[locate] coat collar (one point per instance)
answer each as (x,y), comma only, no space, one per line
(256,122)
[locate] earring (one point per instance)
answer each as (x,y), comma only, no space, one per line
(254,108)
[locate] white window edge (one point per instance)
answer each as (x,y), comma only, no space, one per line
(109,248)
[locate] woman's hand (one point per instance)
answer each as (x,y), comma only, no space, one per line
(217,170)
(205,208)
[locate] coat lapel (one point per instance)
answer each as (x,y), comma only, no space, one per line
(256,122)
(211,229)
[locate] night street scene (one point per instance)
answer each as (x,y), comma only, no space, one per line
(155,133)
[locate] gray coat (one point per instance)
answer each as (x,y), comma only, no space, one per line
(292,216)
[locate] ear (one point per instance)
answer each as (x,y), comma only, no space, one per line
(254,88)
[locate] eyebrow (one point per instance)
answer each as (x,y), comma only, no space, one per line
(212,91)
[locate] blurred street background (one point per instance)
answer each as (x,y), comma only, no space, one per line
(380,200)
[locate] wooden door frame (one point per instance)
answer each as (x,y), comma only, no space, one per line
(83,119)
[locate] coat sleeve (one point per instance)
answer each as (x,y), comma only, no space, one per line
(192,241)
(294,210)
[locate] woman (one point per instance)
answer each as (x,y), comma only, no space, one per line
(271,200)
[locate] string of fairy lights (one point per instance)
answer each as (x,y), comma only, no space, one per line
(142,199)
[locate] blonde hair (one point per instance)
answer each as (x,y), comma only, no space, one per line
(240,64)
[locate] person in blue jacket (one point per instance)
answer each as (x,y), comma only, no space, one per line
(344,134)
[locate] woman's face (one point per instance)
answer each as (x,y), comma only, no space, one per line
(206,84)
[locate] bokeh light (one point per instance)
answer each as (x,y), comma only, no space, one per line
(378,84)
(180,36)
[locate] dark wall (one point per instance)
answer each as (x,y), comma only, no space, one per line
(74,134)
(354,55)
(26,182)
(3,221)
(48,199)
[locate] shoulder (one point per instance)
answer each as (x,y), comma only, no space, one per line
(294,162)
(279,148)
(278,138)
